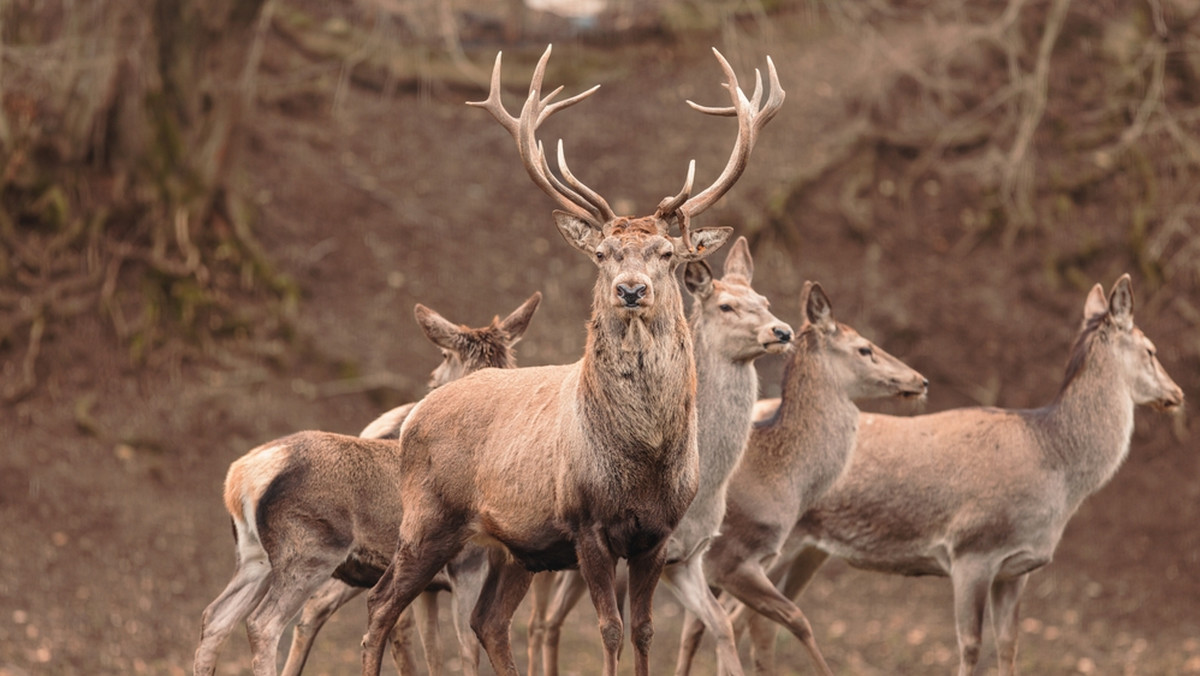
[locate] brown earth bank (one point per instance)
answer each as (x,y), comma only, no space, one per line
(114,536)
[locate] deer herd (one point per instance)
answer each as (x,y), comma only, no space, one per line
(652,448)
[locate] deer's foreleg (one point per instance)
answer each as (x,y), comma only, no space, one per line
(644,571)
(1006,601)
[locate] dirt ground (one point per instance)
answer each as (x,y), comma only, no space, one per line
(114,537)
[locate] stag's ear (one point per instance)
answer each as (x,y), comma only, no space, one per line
(698,279)
(739,262)
(578,232)
(1120,303)
(817,309)
(1096,304)
(515,324)
(704,242)
(439,330)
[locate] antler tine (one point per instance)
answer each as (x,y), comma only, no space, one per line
(751,118)
(494,105)
(586,203)
(670,205)
(592,197)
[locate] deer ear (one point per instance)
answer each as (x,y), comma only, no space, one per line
(817,309)
(516,323)
(697,277)
(578,232)
(704,242)
(439,330)
(1120,303)
(739,262)
(1095,305)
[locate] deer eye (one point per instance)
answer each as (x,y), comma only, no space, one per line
(599,255)
(865,351)
(725,307)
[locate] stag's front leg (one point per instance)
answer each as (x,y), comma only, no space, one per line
(598,567)
(503,590)
(644,571)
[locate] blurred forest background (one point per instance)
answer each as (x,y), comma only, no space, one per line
(216,216)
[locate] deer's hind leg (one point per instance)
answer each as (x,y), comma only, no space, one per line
(292,580)
(329,597)
(426,545)
(232,606)
(503,590)
(569,587)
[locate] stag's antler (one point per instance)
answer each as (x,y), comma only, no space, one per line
(573,196)
(751,118)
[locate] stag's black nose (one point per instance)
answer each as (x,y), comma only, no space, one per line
(783,335)
(631,294)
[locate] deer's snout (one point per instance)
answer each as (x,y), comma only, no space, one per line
(631,294)
(776,337)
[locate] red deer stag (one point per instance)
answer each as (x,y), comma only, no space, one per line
(732,326)
(793,458)
(982,495)
(316,504)
(580,464)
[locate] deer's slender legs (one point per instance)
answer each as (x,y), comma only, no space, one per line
(644,572)
(687,581)
(240,596)
(568,589)
(467,573)
(291,582)
(407,576)
(750,584)
(598,566)
(796,575)
(503,590)
(402,645)
(426,611)
(329,597)
(1006,602)
(539,601)
(971,580)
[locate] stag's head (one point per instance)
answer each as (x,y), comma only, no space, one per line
(730,312)
(636,257)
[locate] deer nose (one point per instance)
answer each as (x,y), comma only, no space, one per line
(784,335)
(631,294)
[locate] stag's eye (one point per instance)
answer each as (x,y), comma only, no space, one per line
(865,351)
(725,307)
(599,256)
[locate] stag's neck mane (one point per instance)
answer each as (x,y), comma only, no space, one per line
(637,375)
